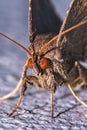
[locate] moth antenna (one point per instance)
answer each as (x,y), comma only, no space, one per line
(14,91)
(16,43)
(61,34)
(75,96)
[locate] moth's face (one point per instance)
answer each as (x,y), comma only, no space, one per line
(45,74)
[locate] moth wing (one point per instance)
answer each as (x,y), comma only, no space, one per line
(73,45)
(42,20)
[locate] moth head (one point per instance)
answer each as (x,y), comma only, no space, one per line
(38,63)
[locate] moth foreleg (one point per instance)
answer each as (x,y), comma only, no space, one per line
(82,79)
(20,98)
(80,76)
(32,80)
(14,91)
(82,73)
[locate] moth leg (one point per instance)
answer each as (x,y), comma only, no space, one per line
(81,80)
(77,83)
(75,96)
(23,85)
(32,80)
(14,91)
(51,104)
(20,98)
(20,83)
(82,73)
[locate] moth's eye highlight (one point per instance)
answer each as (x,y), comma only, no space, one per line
(30,63)
(44,63)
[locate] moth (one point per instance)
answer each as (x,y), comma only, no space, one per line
(54,58)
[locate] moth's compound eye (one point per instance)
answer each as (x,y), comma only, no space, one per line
(44,63)
(30,63)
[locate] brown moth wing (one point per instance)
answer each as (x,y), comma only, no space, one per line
(43,22)
(73,45)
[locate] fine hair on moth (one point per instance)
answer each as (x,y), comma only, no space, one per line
(54,57)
